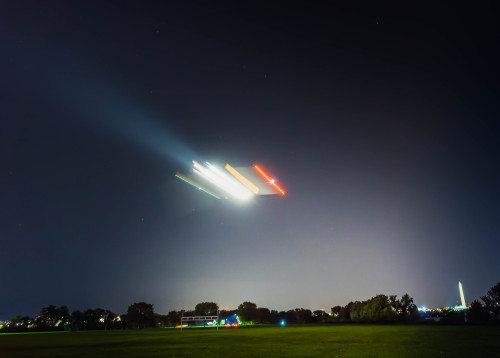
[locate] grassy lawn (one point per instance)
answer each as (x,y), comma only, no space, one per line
(290,341)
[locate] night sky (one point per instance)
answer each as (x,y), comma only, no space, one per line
(381,122)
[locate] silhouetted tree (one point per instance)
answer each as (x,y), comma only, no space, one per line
(52,317)
(161,320)
(263,315)
(206,309)
(173,318)
(141,315)
(92,317)
(336,310)
(98,318)
(477,313)
(378,309)
(345,312)
(77,317)
(395,303)
(75,322)
(452,317)
(319,316)
(303,315)
(274,316)
(290,316)
(413,313)
(247,311)
(492,300)
(282,316)
(19,323)
(357,312)
(406,302)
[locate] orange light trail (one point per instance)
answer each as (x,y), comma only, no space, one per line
(271,181)
(242,179)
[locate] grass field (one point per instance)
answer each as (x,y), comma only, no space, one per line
(290,341)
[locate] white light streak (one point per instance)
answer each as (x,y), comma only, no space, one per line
(222,181)
(461,294)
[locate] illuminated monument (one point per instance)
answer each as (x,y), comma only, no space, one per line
(462,306)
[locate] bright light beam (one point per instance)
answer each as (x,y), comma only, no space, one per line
(235,185)
(195,184)
(242,179)
(462,299)
(207,176)
(271,181)
(211,175)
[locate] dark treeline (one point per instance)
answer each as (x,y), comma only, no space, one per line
(51,318)
(378,309)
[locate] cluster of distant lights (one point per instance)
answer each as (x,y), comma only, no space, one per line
(232,183)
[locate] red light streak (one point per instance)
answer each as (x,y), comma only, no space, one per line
(261,172)
(269,180)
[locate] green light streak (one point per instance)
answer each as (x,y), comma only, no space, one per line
(198,187)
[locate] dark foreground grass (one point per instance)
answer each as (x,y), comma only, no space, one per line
(290,341)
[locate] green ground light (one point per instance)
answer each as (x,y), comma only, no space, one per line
(261,341)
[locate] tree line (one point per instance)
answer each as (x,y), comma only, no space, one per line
(378,309)
(52,318)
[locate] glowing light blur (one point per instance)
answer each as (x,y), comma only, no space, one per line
(271,181)
(462,298)
(222,180)
(242,179)
(195,184)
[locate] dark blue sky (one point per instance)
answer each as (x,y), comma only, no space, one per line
(380,121)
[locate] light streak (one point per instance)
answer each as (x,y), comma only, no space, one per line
(195,184)
(221,180)
(235,186)
(242,179)
(271,181)
(461,294)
